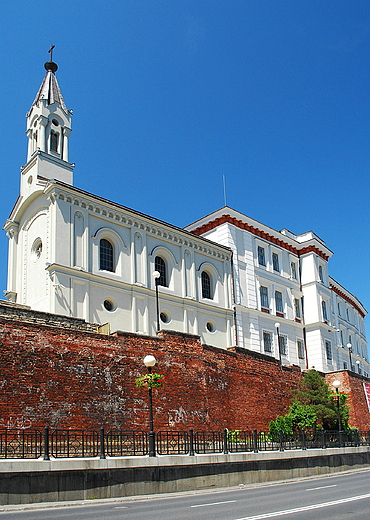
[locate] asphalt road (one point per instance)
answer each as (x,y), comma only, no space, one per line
(342,496)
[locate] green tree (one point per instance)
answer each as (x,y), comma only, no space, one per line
(313,405)
(315,393)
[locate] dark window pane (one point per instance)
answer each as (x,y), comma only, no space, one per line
(106,255)
(160,266)
(206,286)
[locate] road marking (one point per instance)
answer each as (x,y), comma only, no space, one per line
(321,487)
(214,503)
(305,508)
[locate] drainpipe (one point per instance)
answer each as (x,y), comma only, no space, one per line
(233,298)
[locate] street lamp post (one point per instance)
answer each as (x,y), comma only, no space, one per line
(156,276)
(336,385)
(349,346)
(149,362)
(277,326)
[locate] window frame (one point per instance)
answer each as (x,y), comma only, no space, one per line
(275,262)
(106,256)
(324,311)
(261,256)
(293,270)
(283,344)
(297,308)
(264,297)
(267,345)
(206,284)
(279,302)
(160,265)
(300,349)
(329,352)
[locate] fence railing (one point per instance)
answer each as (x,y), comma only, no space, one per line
(34,444)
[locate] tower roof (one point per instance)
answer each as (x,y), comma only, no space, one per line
(49,88)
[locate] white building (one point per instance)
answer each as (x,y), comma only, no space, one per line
(282,289)
(226,278)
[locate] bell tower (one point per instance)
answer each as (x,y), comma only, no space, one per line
(48,131)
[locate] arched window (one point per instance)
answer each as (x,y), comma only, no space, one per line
(106,255)
(206,286)
(160,266)
(54,141)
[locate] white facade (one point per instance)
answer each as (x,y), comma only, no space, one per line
(282,288)
(227,278)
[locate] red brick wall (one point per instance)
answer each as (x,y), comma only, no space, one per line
(66,378)
(79,379)
(352,384)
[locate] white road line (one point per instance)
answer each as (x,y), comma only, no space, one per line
(214,503)
(321,487)
(305,508)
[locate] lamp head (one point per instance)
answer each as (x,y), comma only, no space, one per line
(277,325)
(156,274)
(149,361)
(336,384)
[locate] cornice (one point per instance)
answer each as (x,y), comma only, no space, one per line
(119,214)
(349,300)
(261,234)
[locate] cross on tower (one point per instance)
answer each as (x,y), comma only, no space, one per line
(51,52)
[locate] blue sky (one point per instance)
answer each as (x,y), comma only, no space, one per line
(169,96)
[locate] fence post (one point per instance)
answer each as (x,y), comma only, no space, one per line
(46,443)
(323,439)
(357,438)
(191,442)
(255,441)
(281,440)
(102,444)
(303,433)
(225,441)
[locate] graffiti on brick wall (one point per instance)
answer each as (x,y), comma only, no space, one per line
(182,416)
(16,423)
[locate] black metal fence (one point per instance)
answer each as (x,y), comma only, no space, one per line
(34,444)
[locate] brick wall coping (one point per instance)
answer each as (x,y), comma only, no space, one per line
(14,311)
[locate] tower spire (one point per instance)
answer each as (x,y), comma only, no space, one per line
(48,131)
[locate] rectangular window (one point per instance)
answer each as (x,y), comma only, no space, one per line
(297,307)
(261,256)
(282,345)
(300,346)
(275,262)
(279,301)
(267,341)
(264,297)
(329,354)
(321,276)
(338,309)
(293,268)
(324,311)
(345,366)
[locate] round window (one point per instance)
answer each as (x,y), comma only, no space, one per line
(210,327)
(108,305)
(55,122)
(164,317)
(36,249)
